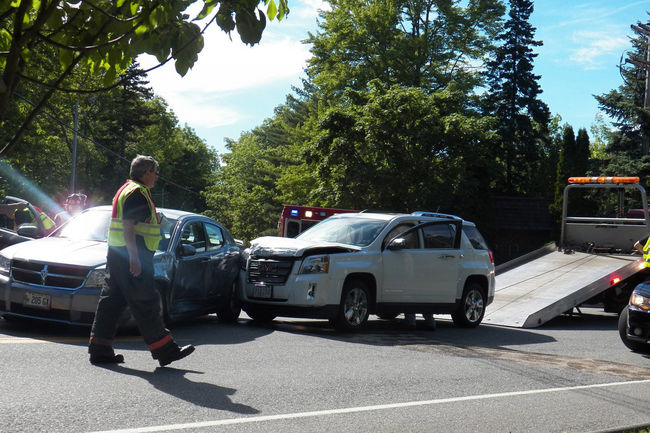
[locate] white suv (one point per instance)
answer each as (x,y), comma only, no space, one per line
(352,265)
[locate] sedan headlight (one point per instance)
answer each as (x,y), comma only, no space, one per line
(96,278)
(315,265)
(640,301)
(5,265)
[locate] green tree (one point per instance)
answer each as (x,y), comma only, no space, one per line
(402,149)
(105,36)
(419,43)
(514,99)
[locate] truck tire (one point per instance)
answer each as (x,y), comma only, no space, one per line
(471,308)
(634,346)
(231,309)
(354,309)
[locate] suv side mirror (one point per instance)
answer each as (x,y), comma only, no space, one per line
(397,244)
(187,250)
(29,231)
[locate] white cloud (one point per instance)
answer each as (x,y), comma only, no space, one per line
(224,68)
(596,46)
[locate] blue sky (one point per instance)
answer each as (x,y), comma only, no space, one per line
(233,88)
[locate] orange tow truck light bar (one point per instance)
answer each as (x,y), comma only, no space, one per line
(604,179)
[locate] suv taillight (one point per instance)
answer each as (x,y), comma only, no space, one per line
(491,256)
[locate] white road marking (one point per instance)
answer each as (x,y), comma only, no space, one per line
(287,416)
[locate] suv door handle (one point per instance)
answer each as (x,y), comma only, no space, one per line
(447,256)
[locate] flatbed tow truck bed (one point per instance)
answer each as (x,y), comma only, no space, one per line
(546,283)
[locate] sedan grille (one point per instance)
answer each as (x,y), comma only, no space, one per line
(269,271)
(43,274)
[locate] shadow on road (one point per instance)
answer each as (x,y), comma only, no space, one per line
(393,333)
(172,381)
(198,331)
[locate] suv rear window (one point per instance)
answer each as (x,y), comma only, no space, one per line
(475,238)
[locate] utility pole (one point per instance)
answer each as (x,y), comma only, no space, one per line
(73,176)
(644,30)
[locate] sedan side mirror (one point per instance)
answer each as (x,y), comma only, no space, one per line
(397,244)
(187,250)
(29,231)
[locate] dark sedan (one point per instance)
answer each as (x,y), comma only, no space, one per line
(634,321)
(59,278)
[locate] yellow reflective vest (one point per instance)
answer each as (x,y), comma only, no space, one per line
(48,224)
(646,254)
(149,230)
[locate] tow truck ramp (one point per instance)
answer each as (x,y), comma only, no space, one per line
(535,288)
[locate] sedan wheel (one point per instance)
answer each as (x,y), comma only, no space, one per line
(471,308)
(353,310)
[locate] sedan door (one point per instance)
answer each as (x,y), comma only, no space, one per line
(224,264)
(190,277)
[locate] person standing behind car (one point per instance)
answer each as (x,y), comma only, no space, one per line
(133,237)
(73,205)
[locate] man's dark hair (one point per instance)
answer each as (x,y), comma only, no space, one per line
(142,164)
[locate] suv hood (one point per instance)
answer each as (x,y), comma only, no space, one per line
(273,246)
(59,250)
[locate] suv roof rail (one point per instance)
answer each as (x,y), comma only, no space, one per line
(379,211)
(436,214)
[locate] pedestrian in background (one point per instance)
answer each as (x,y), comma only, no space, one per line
(133,237)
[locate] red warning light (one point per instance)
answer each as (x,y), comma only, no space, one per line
(615,280)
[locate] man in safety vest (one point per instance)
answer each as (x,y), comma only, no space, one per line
(133,236)
(642,246)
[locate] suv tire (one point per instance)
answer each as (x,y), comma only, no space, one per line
(471,308)
(354,307)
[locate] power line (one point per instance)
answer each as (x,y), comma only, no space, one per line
(96,143)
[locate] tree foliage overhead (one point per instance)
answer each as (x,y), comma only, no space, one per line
(105,36)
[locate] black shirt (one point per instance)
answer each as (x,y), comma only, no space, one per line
(136,207)
(644,241)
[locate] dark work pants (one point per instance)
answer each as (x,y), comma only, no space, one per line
(122,289)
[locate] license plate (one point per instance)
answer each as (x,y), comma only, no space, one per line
(262,291)
(36,300)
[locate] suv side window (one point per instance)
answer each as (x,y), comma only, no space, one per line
(215,237)
(411,238)
(194,235)
(439,236)
(475,238)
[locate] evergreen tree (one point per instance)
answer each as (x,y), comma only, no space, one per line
(625,153)
(513,98)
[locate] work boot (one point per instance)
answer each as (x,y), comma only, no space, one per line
(102,354)
(171,352)
(179,353)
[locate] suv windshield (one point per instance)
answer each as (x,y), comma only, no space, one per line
(351,231)
(92,225)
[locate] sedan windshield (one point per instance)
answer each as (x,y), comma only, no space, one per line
(351,231)
(92,225)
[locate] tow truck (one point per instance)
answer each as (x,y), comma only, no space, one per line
(594,262)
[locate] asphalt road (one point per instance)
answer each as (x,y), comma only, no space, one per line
(572,375)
